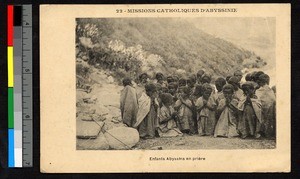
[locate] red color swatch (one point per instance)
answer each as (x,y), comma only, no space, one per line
(10,25)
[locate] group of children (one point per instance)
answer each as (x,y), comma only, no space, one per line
(173,106)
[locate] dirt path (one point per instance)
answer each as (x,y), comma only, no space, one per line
(207,142)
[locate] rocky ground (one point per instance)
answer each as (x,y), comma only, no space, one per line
(98,112)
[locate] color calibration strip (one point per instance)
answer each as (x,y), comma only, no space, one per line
(19,53)
(10,66)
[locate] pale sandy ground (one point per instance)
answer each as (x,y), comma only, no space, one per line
(207,142)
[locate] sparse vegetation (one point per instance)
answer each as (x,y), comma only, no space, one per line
(127,47)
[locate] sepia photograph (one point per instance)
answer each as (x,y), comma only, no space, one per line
(175,83)
(165,88)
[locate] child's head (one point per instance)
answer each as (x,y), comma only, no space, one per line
(228,91)
(151,90)
(159,76)
(220,82)
(158,87)
(126,81)
(207,91)
(200,73)
(248,77)
(143,78)
(176,78)
(164,89)
(184,91)
(166,99)
(170,79)
(263,79)
(172,88)
(191,81)
(238,74)
(255,76)
(205,79)
(182,82)
(234,81)
(198,90)
(248,89)
(228,77)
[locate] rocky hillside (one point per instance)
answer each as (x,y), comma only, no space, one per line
(129,46)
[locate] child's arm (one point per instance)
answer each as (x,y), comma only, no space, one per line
(200,107)
(166,116)
(177,105)
(231,106)
(165,120)
(212,108)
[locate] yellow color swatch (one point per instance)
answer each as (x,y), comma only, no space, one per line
(10,65)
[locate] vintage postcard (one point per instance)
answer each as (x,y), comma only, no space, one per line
(165,88)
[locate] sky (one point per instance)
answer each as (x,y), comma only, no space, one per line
(242,29)
(256,34)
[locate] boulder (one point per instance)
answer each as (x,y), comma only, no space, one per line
(80,95)
(122,137)
(98,117)
(100,109)
(99,143)
(84,117)
(90,100)
(88,129)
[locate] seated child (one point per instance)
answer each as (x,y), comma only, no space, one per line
(167,116)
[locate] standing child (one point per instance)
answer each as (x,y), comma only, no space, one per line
(147,113)
(142,81)
(268,102)
(128,103)
(250,121)
(206,107)
(228,112)
(184,107)
(167,116)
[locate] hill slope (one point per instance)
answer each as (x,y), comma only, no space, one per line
(129,46)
